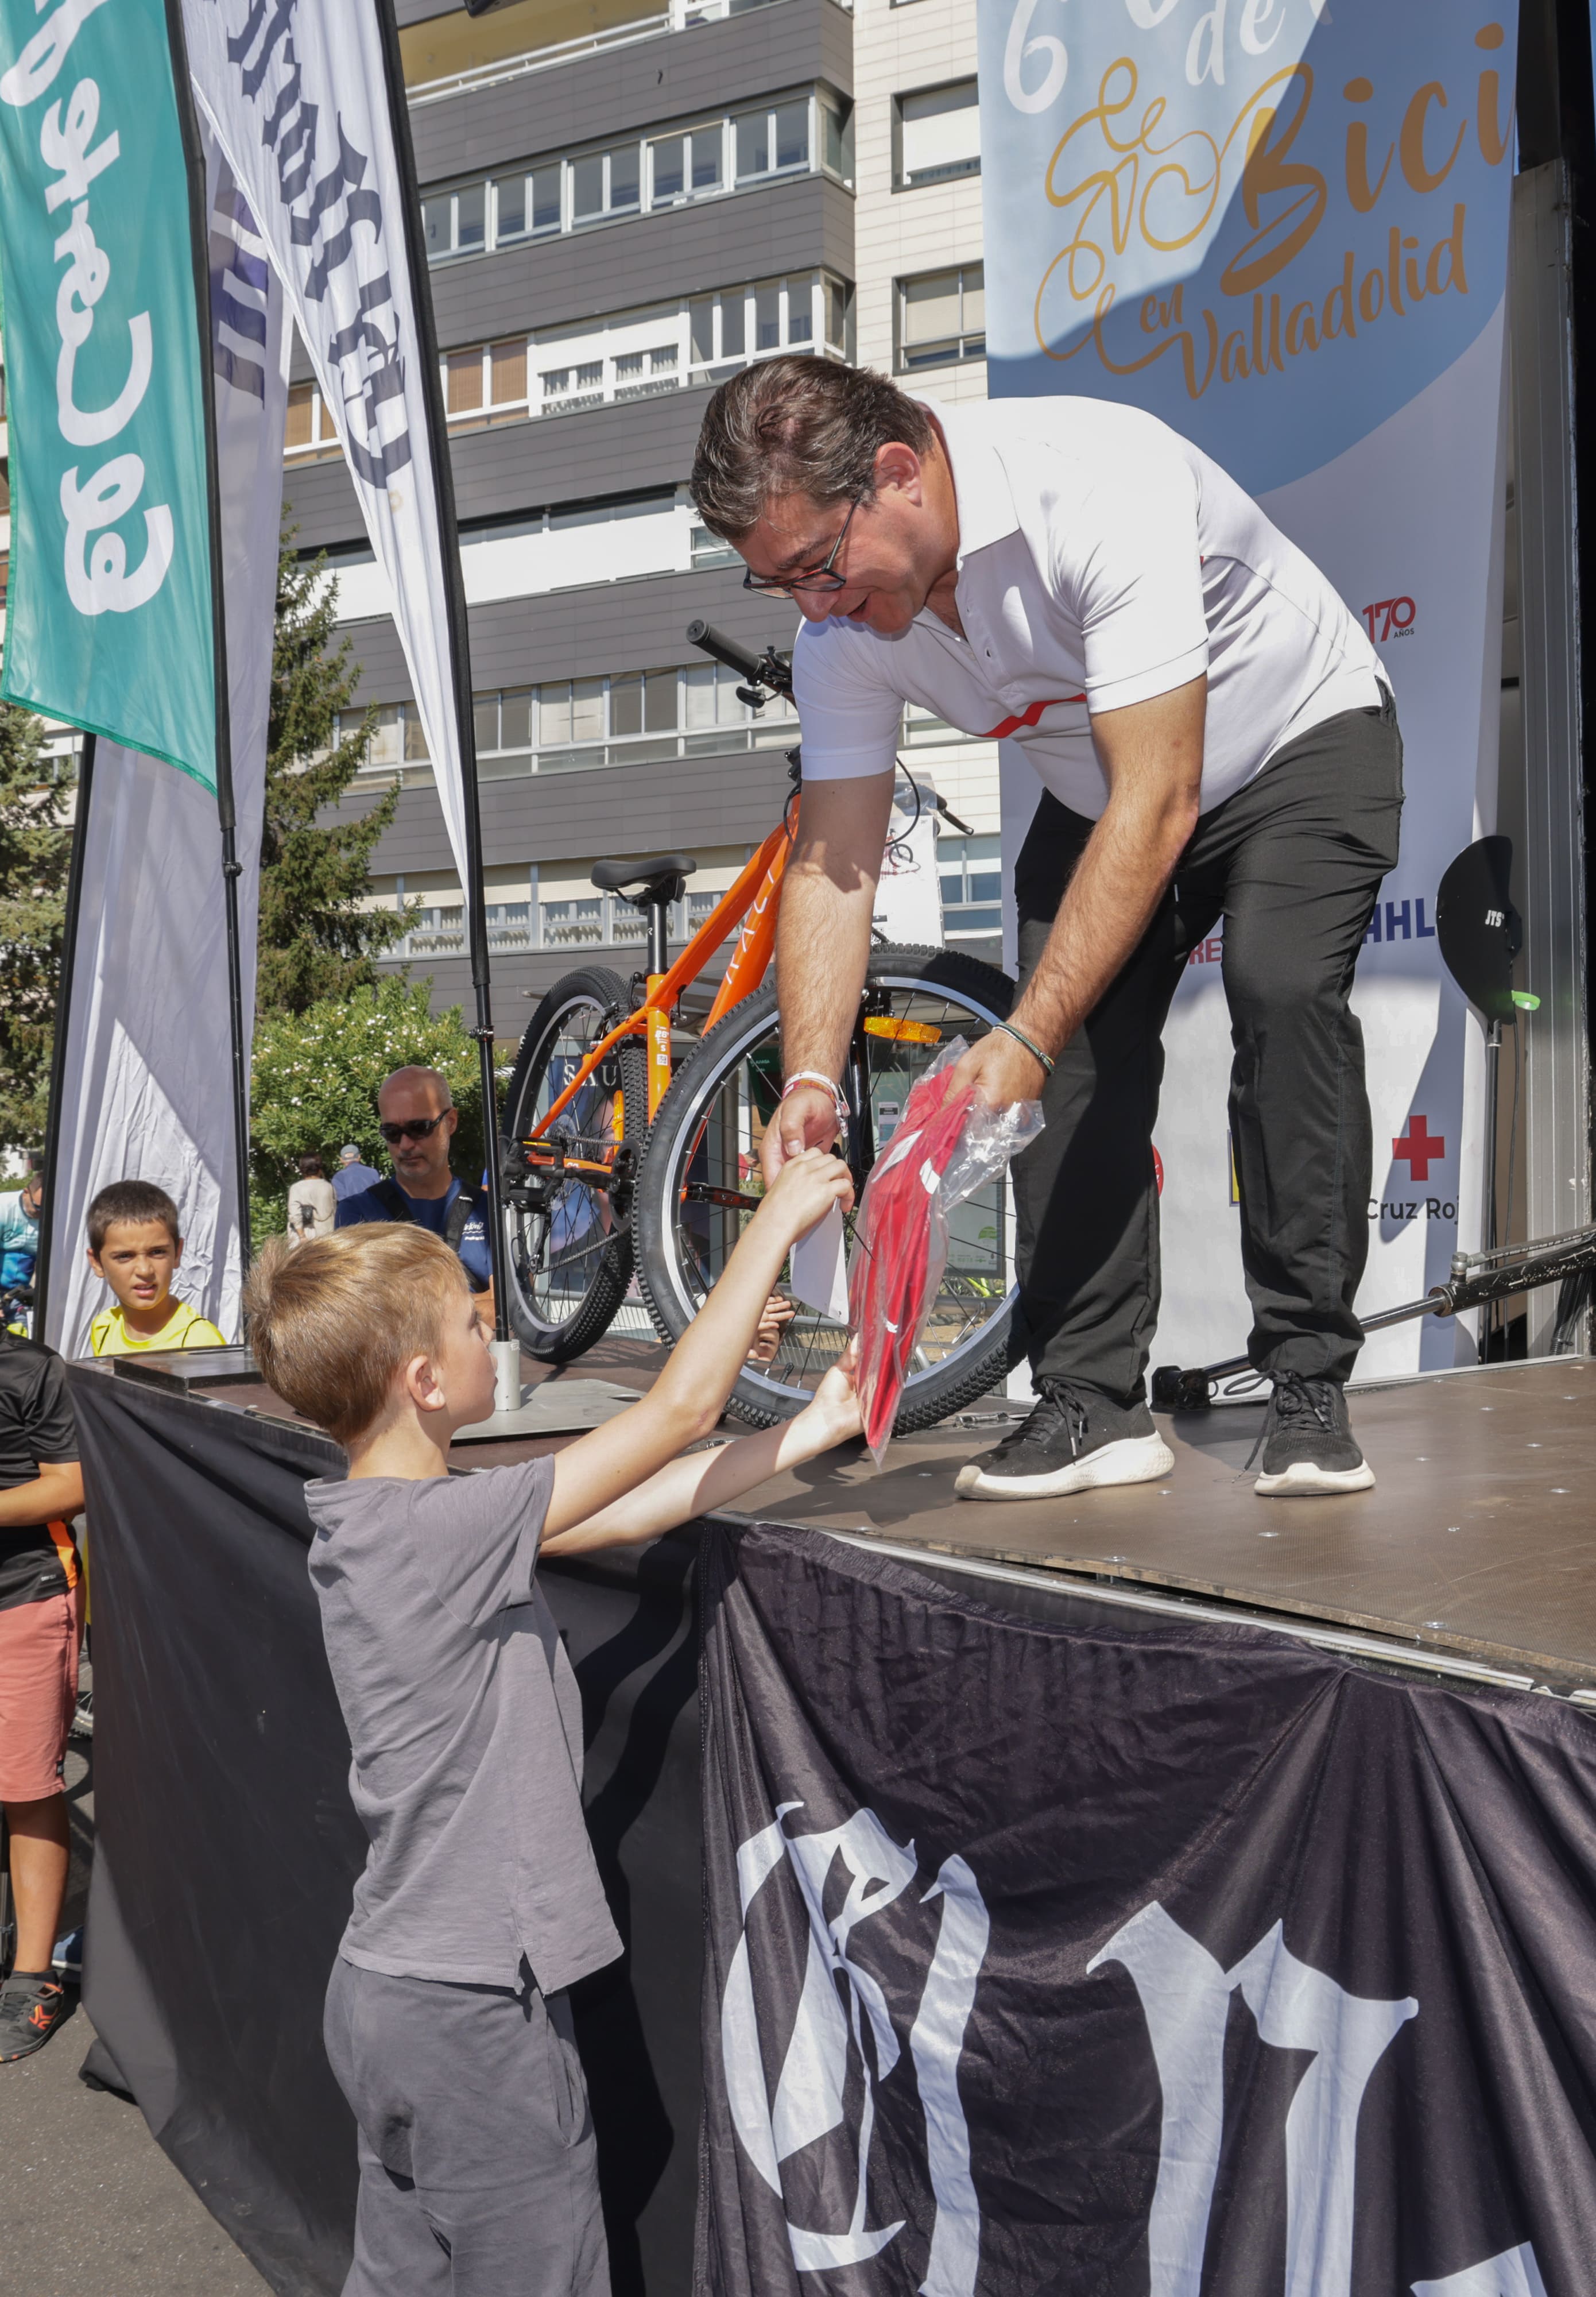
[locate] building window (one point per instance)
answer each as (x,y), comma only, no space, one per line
(702,160)
(633,355)
(710,549)
(971,869)
(569,725)
(309,431)
(938,134)
(941,316)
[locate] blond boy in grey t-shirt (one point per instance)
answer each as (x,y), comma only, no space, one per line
(448,2023)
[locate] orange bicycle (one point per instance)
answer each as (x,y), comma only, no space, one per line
(633,1146)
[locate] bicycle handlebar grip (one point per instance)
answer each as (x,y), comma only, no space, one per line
(709,640)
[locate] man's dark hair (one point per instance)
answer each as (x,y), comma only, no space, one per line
(797,426)
(130,1201)
(311,1166)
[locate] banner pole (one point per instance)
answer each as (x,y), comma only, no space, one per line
(232,867)
(443,481)
(58,1050)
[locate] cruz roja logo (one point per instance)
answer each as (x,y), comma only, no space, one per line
(843,1925)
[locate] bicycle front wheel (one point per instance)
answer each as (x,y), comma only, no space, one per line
(700,1182)
(570,1246)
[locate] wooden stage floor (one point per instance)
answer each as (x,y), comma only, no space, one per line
(1477,1544)
(1479,1539)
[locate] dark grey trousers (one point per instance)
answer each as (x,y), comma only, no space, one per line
(1293,863)
(479,2176)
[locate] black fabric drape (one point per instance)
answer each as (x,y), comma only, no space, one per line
(227,1848)
(1195,1862)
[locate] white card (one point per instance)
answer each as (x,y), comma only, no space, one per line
(819,1272)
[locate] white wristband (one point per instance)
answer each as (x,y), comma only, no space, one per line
(801,1077)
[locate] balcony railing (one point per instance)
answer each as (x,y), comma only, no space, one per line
(680,16)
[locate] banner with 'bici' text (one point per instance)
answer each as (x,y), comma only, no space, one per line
(109,612)
(1282,226)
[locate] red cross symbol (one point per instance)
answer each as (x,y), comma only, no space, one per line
(1420,1148)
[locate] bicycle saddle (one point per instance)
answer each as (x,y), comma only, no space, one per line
(658,876)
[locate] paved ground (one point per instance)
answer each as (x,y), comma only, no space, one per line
(89,2204)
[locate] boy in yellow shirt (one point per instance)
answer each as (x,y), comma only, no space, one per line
(134,1247)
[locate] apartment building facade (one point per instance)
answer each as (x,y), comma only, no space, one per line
(619,213)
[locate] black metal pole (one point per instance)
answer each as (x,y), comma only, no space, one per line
(58,1051)
(1493,1080)
(232,867)
(459,638)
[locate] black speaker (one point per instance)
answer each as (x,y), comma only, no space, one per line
(1479,930)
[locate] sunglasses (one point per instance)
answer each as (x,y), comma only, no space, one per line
(819,578)
(417,1128)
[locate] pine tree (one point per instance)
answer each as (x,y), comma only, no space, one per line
(316,941)
(36,846)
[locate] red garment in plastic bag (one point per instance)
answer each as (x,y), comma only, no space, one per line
(945,1148)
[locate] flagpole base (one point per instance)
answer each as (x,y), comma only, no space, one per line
(506,1374)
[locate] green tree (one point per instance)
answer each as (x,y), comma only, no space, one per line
(316,941)
(316,1074)
(35,848)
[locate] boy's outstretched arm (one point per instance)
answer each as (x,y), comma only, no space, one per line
(687,1400)
(706,1480)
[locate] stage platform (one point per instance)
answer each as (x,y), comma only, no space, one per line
(1479,1539)
(1476,1545)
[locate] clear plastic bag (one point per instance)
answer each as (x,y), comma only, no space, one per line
(946,1147)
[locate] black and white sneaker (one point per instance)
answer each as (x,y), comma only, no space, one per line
(1309,1449)
(1077,1439)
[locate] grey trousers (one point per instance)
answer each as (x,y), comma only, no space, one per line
(479,2175)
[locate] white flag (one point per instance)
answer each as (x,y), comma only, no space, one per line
(147,1087)
(297,98)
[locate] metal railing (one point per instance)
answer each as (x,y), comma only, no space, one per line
(681,16)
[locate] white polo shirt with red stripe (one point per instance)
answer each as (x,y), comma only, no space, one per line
(1102,560)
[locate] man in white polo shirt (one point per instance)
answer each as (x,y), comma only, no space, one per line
(1215,737)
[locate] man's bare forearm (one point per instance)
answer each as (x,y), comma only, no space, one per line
(822,948)
(56,1491)
(1152,752)
(823,935)
(1119,881)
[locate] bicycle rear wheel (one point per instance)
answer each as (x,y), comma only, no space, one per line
(569,1239)
(700,1180)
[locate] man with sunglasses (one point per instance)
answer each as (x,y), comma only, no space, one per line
(1215,737)
(417,1120)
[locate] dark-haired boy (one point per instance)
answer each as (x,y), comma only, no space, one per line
(135,1246)
(41,1489)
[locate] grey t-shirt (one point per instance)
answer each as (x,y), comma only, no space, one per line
(465,1724)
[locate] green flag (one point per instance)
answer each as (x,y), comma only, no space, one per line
(109,616)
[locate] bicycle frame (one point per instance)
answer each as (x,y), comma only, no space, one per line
(753,902)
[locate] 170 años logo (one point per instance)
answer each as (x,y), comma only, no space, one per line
(846,1958)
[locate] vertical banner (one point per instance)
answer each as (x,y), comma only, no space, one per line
(109,613)
(296,98)
(144,1089)
(1282,228)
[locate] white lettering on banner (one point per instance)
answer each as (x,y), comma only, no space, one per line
(66,147)
(100,584)
(35,68)
(826,2047)
(103,586)
(1020,48)
(325,214)
(1185,1997)
(1513,2274)
(81,428)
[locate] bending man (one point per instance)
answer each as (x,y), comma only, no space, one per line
(1215,737)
